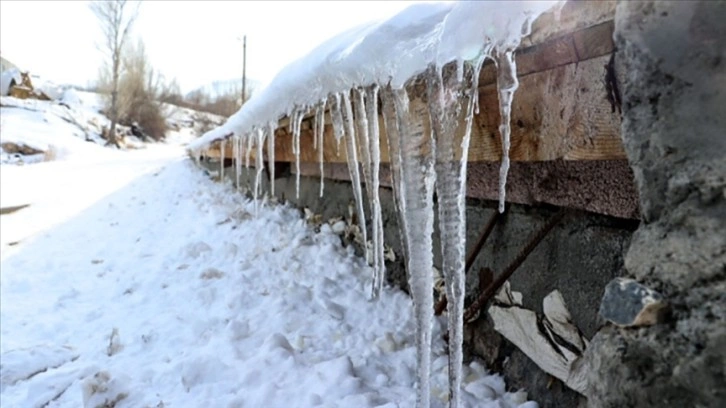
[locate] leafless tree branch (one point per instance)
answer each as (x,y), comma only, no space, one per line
(116,18)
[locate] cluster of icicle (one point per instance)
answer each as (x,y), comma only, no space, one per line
(421,163)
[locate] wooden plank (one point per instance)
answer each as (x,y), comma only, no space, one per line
(599,186)
(562,113)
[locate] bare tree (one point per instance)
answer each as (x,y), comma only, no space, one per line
(115,18)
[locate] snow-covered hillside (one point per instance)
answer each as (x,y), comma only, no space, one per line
(147,284)
(54,129)
(33,131)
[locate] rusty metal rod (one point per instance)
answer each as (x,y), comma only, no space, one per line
(492,289)
(441,305)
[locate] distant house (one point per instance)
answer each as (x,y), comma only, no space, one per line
(5,64)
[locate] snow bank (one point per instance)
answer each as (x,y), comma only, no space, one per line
(391,51)
(49,88)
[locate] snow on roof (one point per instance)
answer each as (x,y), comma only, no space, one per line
(391,51)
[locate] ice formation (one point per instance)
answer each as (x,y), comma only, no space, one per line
(235,156)
(271,154)
(423,66)
(320,137)
(222,146)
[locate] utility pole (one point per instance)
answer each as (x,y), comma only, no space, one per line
(244,69)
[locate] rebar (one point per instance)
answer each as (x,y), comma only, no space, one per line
(494,287)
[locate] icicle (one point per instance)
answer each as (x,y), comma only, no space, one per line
(459,70)
(370,152)
(271,155)
(320,125)
(337,119)
(416,189)
(248,150)
(315,127)
(233,142)
(240,148)
(222,144)
(235,147)
(361,134)
(445,95)
(375,150)
(259,165)
(507,84)
(353,168)
(296,118)
(394,155)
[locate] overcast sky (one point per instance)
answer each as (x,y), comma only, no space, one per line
(195,42)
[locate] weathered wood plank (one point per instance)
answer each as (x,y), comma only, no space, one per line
(562,113)
(599,186)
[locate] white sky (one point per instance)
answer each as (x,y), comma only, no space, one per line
(193,41)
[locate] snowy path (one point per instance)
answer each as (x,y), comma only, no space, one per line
(138,279)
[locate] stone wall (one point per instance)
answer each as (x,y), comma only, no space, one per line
(671,66)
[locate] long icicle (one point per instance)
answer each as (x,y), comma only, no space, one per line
(507,84)
(222,145)
(394,153)
(363,156)
(375,151)
(249,139)
(315,126)
(418,178)
(351,150)
(375,148)
(235,153)
(366,112)
(271,155)
(297,118)
(259,166)
(361,134)
(320,124)
(445,95)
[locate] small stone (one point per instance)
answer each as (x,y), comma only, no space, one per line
(338,227)
(211,273)
(627,303)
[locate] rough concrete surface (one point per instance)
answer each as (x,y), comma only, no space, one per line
(671,64)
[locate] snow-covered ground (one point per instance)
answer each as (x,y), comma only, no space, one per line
(132,277)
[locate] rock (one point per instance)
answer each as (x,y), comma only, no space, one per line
(338,227)
(20,148)
(211,273)
(627,303)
